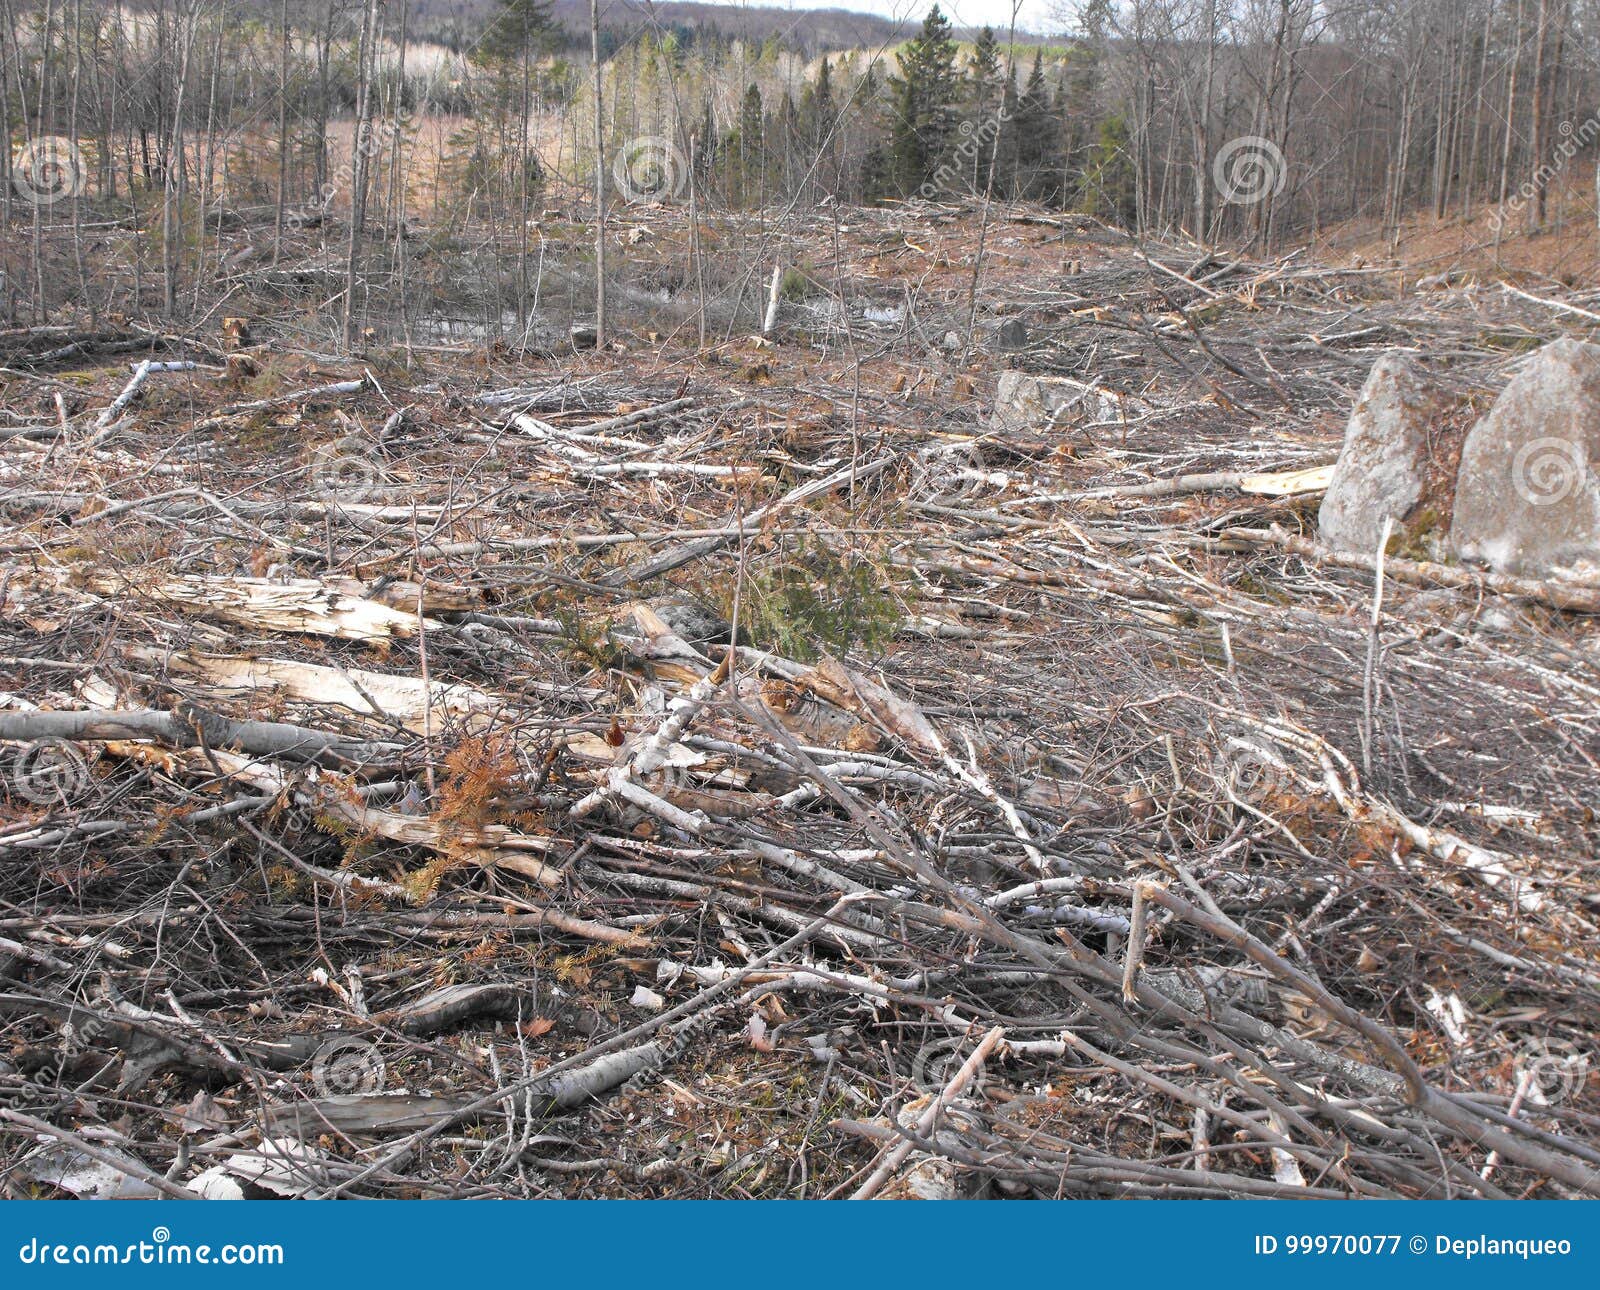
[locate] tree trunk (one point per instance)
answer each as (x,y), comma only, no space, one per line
(358,163)
(599,178)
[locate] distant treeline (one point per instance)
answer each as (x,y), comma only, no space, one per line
(1251,120)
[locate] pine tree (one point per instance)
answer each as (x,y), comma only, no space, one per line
(877,165)
(1107,188)
(983,97)
(1076,106)
(823,109)
(1006,147)
(519,32)
(1095,20)
(818,120)
(924,98)
(747,150)
(1036,135)
(519,28)
(790,140)
(706,148)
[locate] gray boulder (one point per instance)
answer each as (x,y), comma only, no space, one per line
(1528,494)
(1012,334)
(1382,469)
(692,619)
(1026,402)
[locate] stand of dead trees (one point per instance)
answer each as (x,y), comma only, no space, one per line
(161,127)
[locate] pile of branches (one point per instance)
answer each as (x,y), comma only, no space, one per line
(641,781)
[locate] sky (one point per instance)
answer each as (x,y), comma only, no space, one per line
(1034,15)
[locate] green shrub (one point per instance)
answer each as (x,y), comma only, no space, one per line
(813,601)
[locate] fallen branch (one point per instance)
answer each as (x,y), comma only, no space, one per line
(1572,596)
(193,727)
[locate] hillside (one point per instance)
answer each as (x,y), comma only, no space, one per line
(457,23)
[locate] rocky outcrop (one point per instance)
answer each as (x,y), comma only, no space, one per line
(1528,493)
(1383,467)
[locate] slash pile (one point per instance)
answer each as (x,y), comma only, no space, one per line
(750,772)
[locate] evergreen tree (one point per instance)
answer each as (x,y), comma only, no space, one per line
(924,100)
(823,110)
(1107,188)
(1095,21)
(1066,144)
(1036,136)
(746,150)
(1082,85)
(983,97)
(1006,148)
(706,148)
(519,29)
(790,141)
(818,119)
(519,32)
(877,165)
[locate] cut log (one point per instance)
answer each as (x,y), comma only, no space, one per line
(301,605)
(193,728)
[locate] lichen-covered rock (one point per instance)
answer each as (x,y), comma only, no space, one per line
(1026,402)
(1382,471)
(1528,493)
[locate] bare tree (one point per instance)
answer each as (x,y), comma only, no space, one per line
(599,177)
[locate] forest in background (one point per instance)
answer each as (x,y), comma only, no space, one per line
(1246,122)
